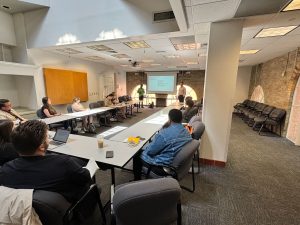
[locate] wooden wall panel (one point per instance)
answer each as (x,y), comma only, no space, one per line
(63,85)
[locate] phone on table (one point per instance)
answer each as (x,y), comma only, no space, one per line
(109,154)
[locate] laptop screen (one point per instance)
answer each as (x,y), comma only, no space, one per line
(61,135)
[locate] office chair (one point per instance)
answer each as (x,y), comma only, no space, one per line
(147,202)
(54,209)
(198,130)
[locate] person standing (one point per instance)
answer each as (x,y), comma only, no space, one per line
(181,92)
(141,93)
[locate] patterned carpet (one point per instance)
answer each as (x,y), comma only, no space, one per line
(259,185)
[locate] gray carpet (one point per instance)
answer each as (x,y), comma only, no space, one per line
(260,184)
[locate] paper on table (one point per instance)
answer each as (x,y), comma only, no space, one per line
(158,120)
(92,167)
(113,131)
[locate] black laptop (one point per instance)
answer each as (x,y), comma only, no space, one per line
(60,137)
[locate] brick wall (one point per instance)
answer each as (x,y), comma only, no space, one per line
(278,78)
(194,79)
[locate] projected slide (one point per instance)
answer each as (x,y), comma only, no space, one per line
(161,84)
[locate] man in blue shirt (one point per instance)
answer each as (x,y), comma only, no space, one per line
(164,147)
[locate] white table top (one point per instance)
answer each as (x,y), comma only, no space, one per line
(57,119)
(87,148)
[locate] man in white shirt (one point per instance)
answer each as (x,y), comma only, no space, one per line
(181,92)
(7,112)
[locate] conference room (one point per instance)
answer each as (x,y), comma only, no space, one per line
(149,112)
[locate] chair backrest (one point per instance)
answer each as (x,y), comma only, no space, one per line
(101,103)
(195,118)
(39,113)
(198,129)
(277,114)
(147,202)
(183,160)
(69,109)
(50,206)
(94,105)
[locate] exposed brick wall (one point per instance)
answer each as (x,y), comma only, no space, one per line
(194,79)
(278,78)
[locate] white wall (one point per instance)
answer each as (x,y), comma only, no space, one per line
(94,71)
(7,32)
(26,91)
(242,84)
(8,89)
(121,83)
(87,19)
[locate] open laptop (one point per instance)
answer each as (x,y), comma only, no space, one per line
(60,137)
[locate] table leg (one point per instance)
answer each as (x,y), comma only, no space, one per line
(113,181)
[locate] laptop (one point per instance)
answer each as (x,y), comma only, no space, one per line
(60,137)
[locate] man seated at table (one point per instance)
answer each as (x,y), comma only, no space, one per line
(8,113)
(40,171)
(189,111)
(164,147)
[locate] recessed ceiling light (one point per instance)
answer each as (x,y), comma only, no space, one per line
(5,7)
(68,50)
(293,5)
(189,46)
(137,44)
(124,65)
(173,56)
(192,63)
(99,48)
(121,56)
(155,64)
(246,52)
(274,31)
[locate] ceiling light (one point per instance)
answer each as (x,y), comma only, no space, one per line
(247,52)
(68,50)
(147,60)
(192,63)
(121,56)
(95,58)
(155,64)
(189,46)
(124,65)
(274,31)
(173,56)
(137,44)
(293,5)
(99,48)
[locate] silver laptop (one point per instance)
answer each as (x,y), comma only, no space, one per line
(60,137)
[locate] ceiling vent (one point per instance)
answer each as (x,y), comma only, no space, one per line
(68,51)
(163,16)
(121,56)
(96,58)
(99,48)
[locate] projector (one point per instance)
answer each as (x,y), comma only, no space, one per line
(133,63)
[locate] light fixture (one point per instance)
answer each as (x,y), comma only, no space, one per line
(121,56)
(293,5)
(99,48)
(68,50)
(188,46)
(274,31)
(137,44)
(155,64)
(124,65)
(147,60)
(250,51)
(95,58)
(173,56)
(192,63)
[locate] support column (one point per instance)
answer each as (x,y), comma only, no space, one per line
(219,88)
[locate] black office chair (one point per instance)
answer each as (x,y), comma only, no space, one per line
(39,113)
(54,209)
(103,118)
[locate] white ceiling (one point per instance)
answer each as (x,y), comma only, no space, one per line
(200,13)
(16,6)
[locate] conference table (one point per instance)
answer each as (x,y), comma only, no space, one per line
(87,147)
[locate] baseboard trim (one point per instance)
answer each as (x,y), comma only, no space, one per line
(212,162)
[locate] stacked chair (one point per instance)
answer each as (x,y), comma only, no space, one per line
(259,115)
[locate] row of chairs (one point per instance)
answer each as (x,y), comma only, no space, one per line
(259,115)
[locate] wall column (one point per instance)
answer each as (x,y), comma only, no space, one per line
(219,88)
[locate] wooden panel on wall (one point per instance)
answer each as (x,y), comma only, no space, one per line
(63,85)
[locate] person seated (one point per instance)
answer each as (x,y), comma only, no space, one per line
(35,169)
(111,101)
(78,107)
(8,113)
(47,109)
(189,111)
(164,147)
(7,150)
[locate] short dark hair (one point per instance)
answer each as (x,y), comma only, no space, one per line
(3,101)
(189,102)
(6,127)
(175,115)
(28,136)
(45,100)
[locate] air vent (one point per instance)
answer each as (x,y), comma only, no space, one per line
(163,16)
(121,56)
(97,58)
(68,50)
(99,48)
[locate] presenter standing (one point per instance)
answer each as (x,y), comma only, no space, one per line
(141,93)
(181,92)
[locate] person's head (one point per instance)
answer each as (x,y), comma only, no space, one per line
(181,83)
(110,96)
(5,105)
(6,127)
(76,100)
(30,138)
(189,103)
(46,101)
(175,116)
(141,85)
